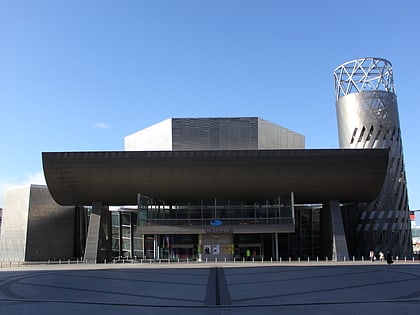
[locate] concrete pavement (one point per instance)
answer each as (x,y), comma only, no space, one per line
(222,288)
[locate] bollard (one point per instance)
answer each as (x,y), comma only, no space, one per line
(68,262)
(354,258)
(363,258)
(317,259)
(206,260)
(59,261)
(280,259)
(187,260)
(271,259)
(308,259)
(234,259)
(215,259)
(178,260)
(326,259)
(290,259)
(298,259)
(225,259)
(262,259)
(405,259)
(243,260)
(253,259)
(344,259)
(48,262)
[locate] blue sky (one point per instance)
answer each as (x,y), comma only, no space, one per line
(81,75)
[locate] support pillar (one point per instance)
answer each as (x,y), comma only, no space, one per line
(276,239)
(98,241)
(200,247)
(340,251)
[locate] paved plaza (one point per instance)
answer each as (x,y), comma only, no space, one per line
(218,288)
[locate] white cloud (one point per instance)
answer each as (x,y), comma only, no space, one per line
(36,178)
(100,125)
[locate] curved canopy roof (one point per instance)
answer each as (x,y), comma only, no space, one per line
(115,178)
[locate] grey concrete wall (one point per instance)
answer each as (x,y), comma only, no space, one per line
(35,227)
(14,224)
(50,233)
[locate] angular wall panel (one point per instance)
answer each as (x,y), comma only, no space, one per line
(232,133)
(35,227)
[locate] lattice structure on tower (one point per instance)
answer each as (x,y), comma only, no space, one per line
(364,74)
(367,116)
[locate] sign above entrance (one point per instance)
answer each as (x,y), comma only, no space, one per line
(217,229)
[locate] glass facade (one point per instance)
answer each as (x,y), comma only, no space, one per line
(144,232)
(127,241)
(82,217)
(277,211)
(306,241)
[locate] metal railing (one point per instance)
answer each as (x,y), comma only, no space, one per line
(150,261)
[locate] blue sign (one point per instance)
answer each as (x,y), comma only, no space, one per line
(216,222)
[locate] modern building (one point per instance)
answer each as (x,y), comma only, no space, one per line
(367,116)
(231,188)
(274,203)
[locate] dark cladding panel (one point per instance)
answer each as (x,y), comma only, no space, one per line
(35,227)
(191,134)
(117,177)
(50,232)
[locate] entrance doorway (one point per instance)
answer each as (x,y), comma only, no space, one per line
(249,251)
(173,246)
(252,246)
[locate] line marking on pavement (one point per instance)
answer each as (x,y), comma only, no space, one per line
(217,291)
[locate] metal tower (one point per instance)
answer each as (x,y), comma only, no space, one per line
(367,117)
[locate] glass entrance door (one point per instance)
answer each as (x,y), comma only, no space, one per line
(249,246)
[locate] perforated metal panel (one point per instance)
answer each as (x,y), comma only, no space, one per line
(367,116)
(232,133)
(117,177)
